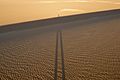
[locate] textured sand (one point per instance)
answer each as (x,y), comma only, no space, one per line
(27,58)
(91,52)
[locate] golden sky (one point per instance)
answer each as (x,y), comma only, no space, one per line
(15,11)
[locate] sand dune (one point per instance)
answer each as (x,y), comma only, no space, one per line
(91,51)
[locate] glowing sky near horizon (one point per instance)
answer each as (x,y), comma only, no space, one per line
(15,11)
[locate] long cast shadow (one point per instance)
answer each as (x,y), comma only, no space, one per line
(59,39)
(62,56)
(56,57)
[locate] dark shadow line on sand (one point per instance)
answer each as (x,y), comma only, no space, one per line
(59,39)
(62,56)
(56,57)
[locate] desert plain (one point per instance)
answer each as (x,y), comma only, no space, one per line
(91,52)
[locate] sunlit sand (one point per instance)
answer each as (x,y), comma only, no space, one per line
(55,43)
(91,51)
(27,10)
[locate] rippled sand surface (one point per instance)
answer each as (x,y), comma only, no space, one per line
(91,51)
(27,58)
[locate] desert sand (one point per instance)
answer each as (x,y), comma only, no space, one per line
(91,52)
(16,11)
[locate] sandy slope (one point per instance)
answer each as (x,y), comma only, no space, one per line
(91,51)
(27,58)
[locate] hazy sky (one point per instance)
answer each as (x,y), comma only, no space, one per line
(15,11)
